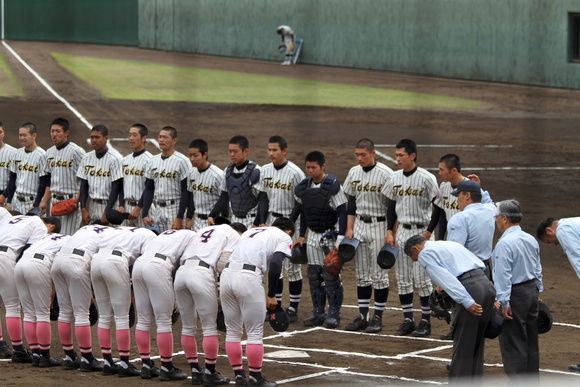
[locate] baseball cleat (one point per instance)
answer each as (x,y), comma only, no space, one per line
(174,374)
(21,357)
(70,364)
(129,371)
(447,336)
(240,381)
(5,352)
(314,321)
(262,382)
(422,330)
(93,366)
(109,370)
(214,379)
(49,362)
(405,328)
(574,367)
(292,315)
(35,360)
(375,325)
(358,324)
(149,372)
(196,378)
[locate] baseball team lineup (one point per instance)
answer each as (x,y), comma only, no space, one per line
(166,229)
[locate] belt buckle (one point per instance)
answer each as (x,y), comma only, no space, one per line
(366,219)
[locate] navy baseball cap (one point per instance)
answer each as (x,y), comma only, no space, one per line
(466,186)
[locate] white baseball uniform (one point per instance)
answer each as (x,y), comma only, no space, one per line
(29,167)
(100,172)
(62,163)
(370,222)
(446,201)
(6,155)
(135,168)
(413,196)
(206,187)
(167,173)
(4,215)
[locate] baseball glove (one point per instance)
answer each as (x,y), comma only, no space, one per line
(282,48)
(332,263)
(64,208)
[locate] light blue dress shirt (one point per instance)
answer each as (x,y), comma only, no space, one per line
(473,228)
(516,259)
(444,261)
(568,234)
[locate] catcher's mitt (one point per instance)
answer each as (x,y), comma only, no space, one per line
(332,263)
(64,208)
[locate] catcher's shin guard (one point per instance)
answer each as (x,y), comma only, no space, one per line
(318,294)
(335,294)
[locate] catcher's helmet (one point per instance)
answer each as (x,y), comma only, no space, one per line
(116,217)
(347,248)
(387,256)
(153,227)
(299,254)
(278,319)
(440,304)
(34,211)
(328,241)
(494,327)
(545,319)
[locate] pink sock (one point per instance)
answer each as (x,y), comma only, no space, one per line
(14,328)
(84,338)
(210,347)
(44,333)
(255,355)
(189,346)
(143,342)
(124,341)
(30,333)
(165,344)
(234,351)
(65,334)
(105,340)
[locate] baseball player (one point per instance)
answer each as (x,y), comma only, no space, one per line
(411,190)
(366,222)
(27,184)
(277,182)
(518,282)
(260,250)
(71,275)
(134,168)
(32,275)
(100,171)
(6,154)
(323,204)
(111,283)
(239,188)
(288,43)
(62,163)
(154,299)
(14,235)
(166,184)
(196,293)
(205,182)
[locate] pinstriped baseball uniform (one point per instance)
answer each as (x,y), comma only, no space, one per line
(446,201)
(279,184)
(29,168)
(63,163)
(167,173)
(413,196)
(6,154)
(100,173)
(206,187)
(135,168)
(314,252)
(370,222)
(195,285)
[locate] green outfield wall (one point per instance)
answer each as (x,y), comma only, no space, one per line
(515,41)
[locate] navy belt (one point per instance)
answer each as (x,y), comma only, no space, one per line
(202,216)
(62,197)
(160,256)
(117,253)
(246,266)
(38,256)
(203,264)
(131,202)
(371,219)
(78,252)
(471,273)
(4,248)
(411,226)
(165,203)
(528,282)
(24,198)
(100,201)
(277,215)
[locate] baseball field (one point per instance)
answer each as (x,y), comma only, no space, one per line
(521,141)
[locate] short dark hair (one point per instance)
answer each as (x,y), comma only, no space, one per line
(541,229)
(199,144)
(510,208)
(476,196)
(143,131)
(172,131)
(365,143)
(413,241)
(241,141)
(101,129)
(30,126)
(409,145)
(284,224)
(451,161)
(279,140)
(317,157)
(1,124)
(54,221)
(239,227)
(62,122)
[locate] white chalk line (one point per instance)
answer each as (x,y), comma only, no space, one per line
(55,94)
(448,146)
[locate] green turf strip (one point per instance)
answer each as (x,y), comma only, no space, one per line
(9,86)
(145,81)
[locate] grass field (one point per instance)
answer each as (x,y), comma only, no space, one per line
(9,86)
(146,81)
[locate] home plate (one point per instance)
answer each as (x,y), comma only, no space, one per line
(287,354)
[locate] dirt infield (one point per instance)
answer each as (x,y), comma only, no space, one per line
(523,146)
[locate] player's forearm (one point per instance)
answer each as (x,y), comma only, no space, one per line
(274,271)
(41,192)
(220,205)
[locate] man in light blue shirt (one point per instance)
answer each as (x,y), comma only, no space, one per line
(460,273)
(518,281)
(473,227)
